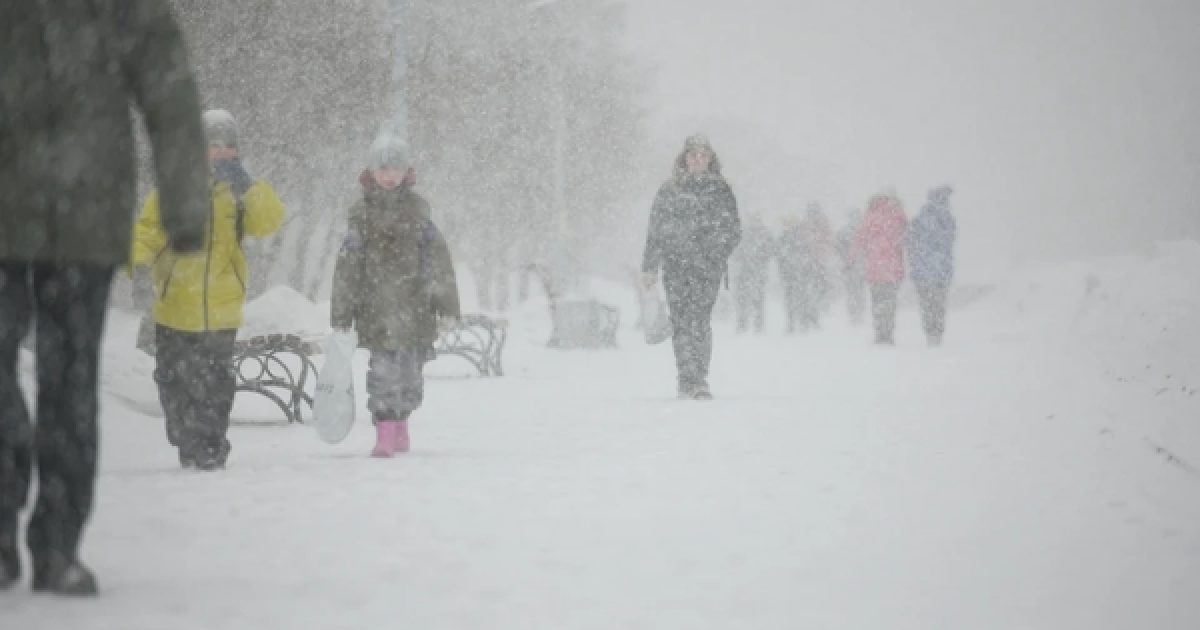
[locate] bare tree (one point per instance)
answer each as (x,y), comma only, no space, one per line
(310,85)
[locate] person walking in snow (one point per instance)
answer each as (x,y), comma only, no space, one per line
(820,234)
(199,298)
(694,229)
(394,284)
(881,238)
(931,260)
(801,272)
(752,260)
(854,282)
(67,184)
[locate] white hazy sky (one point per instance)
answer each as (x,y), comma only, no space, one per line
(1070,128)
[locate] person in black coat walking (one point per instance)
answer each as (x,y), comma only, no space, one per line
(69,72)
(694,228)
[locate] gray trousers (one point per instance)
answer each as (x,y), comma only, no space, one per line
(396,382)
(692,293)
(932,302)
(884,298)
(66,306)
(196,386)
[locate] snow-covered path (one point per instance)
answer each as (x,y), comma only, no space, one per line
(990,484)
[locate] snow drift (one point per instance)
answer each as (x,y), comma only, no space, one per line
(1136,313)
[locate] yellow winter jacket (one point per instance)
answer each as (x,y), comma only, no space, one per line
(205,291)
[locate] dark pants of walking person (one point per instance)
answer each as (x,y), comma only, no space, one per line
(932,302)
(802,293)
(66,304)
(196,386)
(691,295)
(883,309)
(751,303)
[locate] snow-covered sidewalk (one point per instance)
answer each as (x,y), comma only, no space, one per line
(994,483)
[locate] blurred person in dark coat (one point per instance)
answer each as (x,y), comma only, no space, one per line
(70,72)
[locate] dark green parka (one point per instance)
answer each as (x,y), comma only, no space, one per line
(69,72)
(394,275)
(694,222)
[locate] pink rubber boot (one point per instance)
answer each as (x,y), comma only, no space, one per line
(387,437)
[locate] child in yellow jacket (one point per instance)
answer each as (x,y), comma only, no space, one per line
(199,299)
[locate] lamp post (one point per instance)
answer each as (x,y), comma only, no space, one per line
(397,124)
(561,210)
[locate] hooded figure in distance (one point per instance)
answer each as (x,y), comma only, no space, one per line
(931,260)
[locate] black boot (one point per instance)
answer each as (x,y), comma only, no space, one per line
(8,578)
(59,576)
(10,562)
(213,457)
(186,459)
(206,457)
(10,568)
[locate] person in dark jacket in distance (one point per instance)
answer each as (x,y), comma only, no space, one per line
(752,260)
(68,77)
(801,273)
(820,234)
(395,285)
(930,247)
(694,229)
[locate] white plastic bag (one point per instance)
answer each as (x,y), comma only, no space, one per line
(333,405)
(656,320)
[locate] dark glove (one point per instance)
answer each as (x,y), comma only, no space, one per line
(233,172)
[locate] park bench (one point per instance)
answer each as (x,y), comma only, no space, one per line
(280,368)
(576,322)
(479,340)
(262,367)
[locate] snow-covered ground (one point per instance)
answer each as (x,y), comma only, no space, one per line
(1042,470)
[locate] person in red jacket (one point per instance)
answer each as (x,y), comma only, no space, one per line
(881,239)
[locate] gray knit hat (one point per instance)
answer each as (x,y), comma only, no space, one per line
(941,194)
(697,141)
(220,127)
(389,151)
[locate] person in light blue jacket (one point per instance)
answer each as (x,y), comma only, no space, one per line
(930,246)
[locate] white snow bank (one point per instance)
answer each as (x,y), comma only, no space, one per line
(1145,308)
(283,310)
(1131,319)
(530,319)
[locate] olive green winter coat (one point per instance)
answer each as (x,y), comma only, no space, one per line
(69,72)
(394,275)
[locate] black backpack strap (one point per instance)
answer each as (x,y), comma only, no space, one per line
(239,221)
